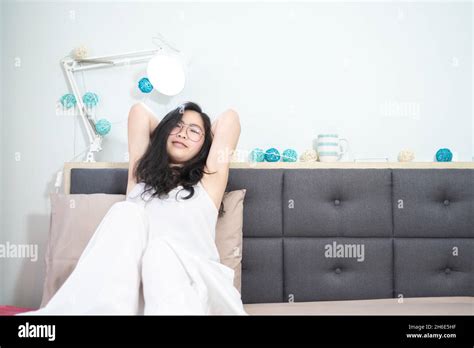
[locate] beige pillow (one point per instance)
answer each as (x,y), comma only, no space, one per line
(75,217)
(229,235)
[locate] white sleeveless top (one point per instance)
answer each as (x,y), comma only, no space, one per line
(190,222)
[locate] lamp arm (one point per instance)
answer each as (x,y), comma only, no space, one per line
(112,60)
(91,133)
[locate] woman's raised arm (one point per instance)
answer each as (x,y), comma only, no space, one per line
(226,132)
(141,123)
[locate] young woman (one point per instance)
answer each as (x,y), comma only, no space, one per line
(155,252)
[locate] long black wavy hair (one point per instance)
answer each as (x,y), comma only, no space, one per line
(153,167)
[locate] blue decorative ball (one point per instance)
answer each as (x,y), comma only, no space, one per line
(257,155)
(103,126)
(145,85)
(289,155)
(272,155)
(90,99)
(68,100)
(444,155)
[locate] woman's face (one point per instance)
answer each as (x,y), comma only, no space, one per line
(191,134)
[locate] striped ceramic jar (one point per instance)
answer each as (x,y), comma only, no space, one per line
(330,147)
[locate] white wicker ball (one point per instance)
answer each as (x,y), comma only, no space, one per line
(309,156)
(406,156)
(80,52)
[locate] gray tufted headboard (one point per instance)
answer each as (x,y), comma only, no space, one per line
(413,229)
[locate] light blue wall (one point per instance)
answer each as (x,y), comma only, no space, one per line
(291,70)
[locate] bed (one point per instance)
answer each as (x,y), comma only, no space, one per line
(415,221)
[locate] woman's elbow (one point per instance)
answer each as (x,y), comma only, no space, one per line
(228,120)
(232,116)
(232,112)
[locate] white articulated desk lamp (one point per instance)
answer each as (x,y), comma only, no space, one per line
(165,72)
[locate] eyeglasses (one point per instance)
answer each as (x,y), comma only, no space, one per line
(193,131)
